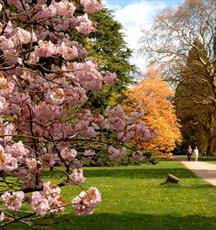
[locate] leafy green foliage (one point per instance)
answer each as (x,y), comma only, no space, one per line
(108,48)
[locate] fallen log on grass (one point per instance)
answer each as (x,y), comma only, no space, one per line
(172,179)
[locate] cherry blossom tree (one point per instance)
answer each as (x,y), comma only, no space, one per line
(44,78)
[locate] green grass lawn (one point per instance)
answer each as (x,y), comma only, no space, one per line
(134,199)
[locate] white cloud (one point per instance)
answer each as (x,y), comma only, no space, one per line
(135,17)
(112,6)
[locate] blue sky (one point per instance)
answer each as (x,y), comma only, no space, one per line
(136,15)
(127,2)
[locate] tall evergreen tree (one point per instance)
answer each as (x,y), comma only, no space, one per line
(194,102)
(108,48)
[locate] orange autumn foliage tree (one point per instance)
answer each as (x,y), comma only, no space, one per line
(152,95)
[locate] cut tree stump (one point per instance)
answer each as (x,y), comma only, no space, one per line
(172,179)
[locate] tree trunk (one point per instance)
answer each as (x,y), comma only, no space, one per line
(210,150)
(172,179)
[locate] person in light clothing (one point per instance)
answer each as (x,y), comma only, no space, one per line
(196,153)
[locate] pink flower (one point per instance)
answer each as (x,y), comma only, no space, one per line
(88,153)
(5,43)
(25,36)
(143,132)
(48,200)
(3,104)
(127,136)
(75,95)
(110,78)
(117,118)
(116,112)
(85,25)
(85,202)
(64,8)
(15,3)
(67,52)
(11,57)
(45,49)
(68,154)
(39,204)
(134,116)
(87,75)
(17,150)
(46,12)
(137,156)
(51,189)
(7,162)
(6,131)
(33,58)
(33,165)
(77,177)
(13,200)
(116,154)
(91,6)
(56,97)
(6,85)
(9,28)
(118,125)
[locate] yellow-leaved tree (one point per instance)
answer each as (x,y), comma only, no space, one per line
(153,95)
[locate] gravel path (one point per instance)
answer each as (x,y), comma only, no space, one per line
(204,170)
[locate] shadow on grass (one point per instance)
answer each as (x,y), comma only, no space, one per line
(136,173)
(125,221)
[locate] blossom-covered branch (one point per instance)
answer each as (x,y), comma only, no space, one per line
(45,77)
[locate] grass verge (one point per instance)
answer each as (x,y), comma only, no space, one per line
(134,199)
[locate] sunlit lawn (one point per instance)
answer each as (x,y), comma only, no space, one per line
(133,198)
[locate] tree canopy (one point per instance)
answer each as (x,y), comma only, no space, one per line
(153,95)
(108,48)
(183,40)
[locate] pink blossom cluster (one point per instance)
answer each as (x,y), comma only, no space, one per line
(137,156)
(45,80)
(91,6)
(49,49)
(89,153)
(68,154)
(76,177)
(60,14)
(128,127)
(49,200)
(55,9)
(85,202)
(85,25)
(13,200)
(33,165)
(110,78)
(6,85)
(117,118)
(116,154)
(84,127)
(6,131)
(87,75)
(7,162)
(17,150)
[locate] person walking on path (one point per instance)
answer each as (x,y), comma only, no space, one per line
(189,153)
(196,153)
